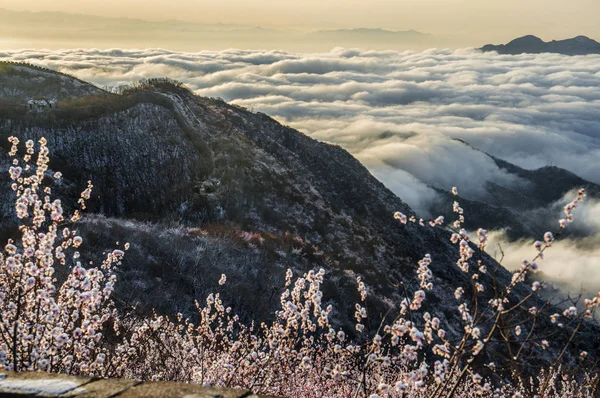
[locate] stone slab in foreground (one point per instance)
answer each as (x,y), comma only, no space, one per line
(40,384)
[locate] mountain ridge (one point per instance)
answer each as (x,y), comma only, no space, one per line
(524,211)
(81,30)
(378,32)
(579,45)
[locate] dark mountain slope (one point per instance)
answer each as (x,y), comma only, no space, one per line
(579,45)
(525,210)
(164,155)
(547,185)
(200,187)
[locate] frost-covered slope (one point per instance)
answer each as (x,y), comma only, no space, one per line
(20,82)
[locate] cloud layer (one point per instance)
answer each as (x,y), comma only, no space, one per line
(398,112)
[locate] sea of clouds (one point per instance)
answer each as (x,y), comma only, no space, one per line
(400,113)
(397,112)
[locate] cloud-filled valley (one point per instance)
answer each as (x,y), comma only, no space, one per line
(397,112)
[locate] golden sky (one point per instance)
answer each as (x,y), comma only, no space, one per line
(551,18)
(459,23)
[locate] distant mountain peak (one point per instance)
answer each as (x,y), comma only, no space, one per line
(584,39)
(529,39)
(579,45)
